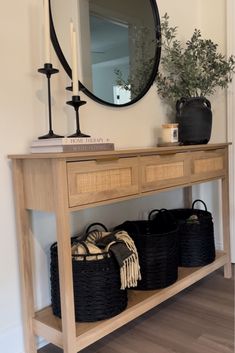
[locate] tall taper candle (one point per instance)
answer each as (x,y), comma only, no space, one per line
(75,64)
(71,44)
(47,32)
(71,34)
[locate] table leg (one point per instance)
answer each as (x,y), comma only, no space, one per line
(25,254)
(225,218)
(64,256)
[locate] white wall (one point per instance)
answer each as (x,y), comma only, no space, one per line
(23,118)
(231,124)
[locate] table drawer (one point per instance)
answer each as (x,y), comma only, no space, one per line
(100,180)
(208,164)
(162,171)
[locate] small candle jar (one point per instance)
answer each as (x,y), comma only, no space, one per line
(170,133)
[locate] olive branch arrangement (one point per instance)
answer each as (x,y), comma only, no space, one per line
(193,69)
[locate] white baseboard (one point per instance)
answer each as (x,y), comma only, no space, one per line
(218,245)
(11,340)
(41,342)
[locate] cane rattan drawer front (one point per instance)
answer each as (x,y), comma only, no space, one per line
(158,172)
(96,181)
(208,164)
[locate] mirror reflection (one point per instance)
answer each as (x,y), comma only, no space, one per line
(117,45)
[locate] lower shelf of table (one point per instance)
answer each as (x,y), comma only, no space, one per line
(139,302)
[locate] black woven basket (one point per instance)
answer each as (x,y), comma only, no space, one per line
(196,236)
(97,293)
(156,243)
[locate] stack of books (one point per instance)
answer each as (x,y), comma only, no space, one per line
(71,144)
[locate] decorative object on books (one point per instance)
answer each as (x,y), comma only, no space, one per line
(188,73)
(157,245)
(76,102)
(196,236)
(96,281)
(48,69)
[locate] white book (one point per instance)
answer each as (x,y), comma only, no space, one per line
(73,148)
(69,141)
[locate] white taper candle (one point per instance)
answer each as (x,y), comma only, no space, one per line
(71,34)
(74,64)
(47,31)
(71,43)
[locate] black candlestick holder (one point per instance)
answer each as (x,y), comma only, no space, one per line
(48,70)
(77,103)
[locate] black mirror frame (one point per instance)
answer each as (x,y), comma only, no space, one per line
(82,88)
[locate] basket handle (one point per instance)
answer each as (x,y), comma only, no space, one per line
(96,224)
(76,239)
(85,256)
(162,211)
(152,212)
(199,201)
(166,215)
(54,245)
(131,226)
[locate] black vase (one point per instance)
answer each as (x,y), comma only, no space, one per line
(194,116)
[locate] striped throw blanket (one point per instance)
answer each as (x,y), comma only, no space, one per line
(120,244)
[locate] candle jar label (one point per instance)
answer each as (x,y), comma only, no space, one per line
(170,133)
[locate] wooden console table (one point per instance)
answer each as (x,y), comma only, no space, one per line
(67,182)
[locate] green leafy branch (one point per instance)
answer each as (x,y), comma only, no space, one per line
(190,70)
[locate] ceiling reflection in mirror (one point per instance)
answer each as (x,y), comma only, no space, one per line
(117,46)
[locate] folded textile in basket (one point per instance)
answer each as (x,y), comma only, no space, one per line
(122,247)
(84,248)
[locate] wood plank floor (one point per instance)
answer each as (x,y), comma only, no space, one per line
(198,320)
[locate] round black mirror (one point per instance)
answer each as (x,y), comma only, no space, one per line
(118,46)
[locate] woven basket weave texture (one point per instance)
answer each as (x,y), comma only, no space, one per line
(196,238)
(157,246)
(97,294)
